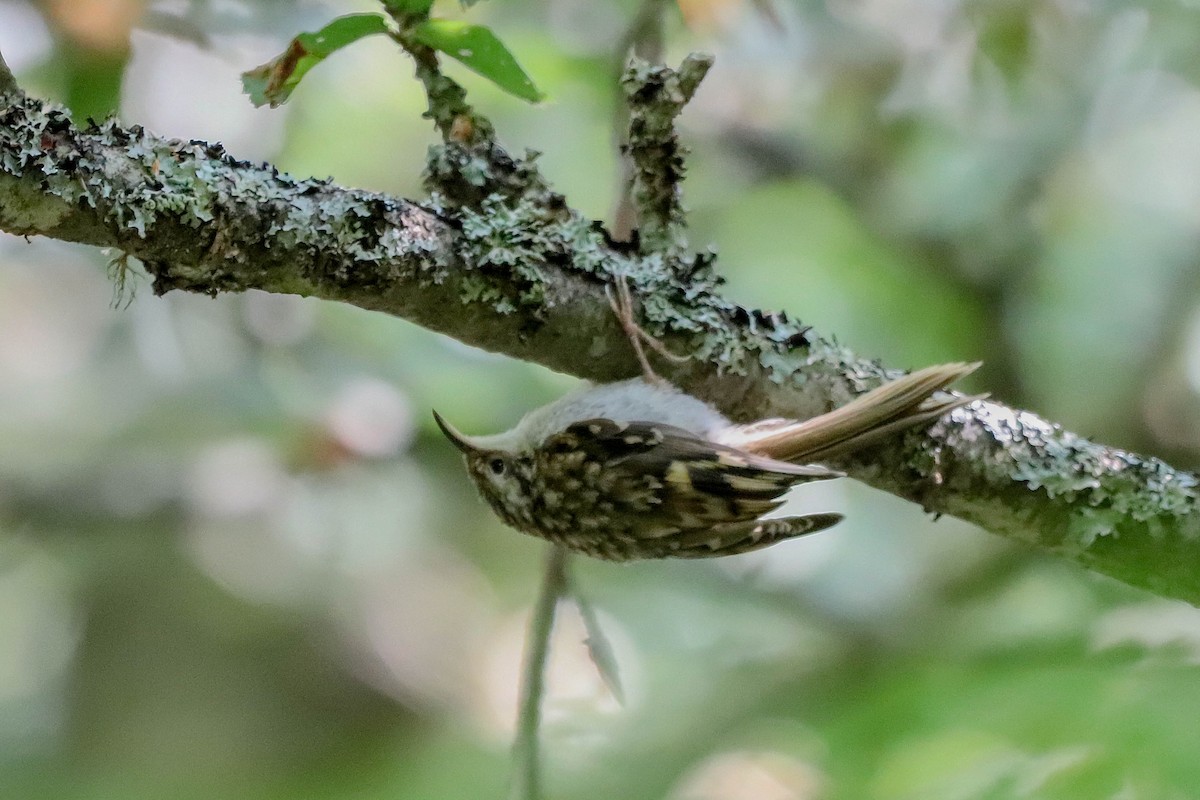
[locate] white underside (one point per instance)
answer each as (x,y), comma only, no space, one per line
(625,401)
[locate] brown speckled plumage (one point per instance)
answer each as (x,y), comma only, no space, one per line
(630,489)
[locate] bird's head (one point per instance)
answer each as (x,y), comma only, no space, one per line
(501,475)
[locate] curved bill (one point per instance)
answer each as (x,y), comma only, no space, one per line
(459,440)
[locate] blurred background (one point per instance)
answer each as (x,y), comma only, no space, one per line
(238,561)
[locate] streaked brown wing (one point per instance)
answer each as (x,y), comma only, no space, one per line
(675,480)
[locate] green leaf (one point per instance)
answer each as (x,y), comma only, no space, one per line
(412,8)
(478,48)
(273,82)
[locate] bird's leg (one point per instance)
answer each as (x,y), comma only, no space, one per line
(621,302)
(622,306)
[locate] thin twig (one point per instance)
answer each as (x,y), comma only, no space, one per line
(527,777)
(599,648)
(656,94)
(644,38)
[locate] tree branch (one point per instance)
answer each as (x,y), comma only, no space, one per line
(498,260)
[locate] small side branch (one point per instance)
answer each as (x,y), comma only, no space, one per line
(642,39)
(527,772)
(656,95)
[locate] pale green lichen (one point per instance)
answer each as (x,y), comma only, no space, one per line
(1101,490)
(245,217)
(521,245)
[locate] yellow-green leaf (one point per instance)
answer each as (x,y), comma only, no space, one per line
(409,7)
(274,81)
(479,49)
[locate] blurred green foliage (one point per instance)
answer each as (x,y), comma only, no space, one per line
(237,561)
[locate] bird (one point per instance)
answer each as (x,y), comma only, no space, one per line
(640,469)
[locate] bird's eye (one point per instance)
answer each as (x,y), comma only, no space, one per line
(497,466)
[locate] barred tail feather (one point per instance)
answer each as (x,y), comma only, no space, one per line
(745,537)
